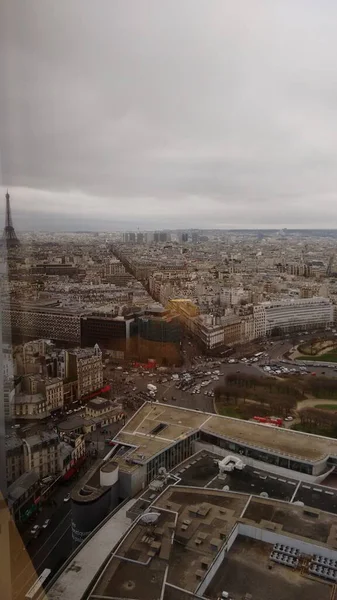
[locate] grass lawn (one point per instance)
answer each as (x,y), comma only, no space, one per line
(328,357)
(229,411)
(327,406)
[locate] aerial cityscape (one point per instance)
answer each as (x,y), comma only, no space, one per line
(168,300)
(163,392)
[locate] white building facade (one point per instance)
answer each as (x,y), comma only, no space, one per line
(292,315)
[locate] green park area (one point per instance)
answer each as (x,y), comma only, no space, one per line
(244,396)
(320,350)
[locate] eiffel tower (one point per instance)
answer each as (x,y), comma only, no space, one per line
(9,238)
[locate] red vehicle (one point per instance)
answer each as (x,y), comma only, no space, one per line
(269,421)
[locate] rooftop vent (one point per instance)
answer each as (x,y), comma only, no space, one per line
(158,428)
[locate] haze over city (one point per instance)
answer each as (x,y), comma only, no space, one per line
(195,114)
(168,300)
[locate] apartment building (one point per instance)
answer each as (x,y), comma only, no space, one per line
(30,406)
(42,453)
(259,321)
(51,388)
(103,411)
(232,330)
(86,367)
(15,465)
(114,267)
(232,296)
(210,334)
(292,315)
(24,496)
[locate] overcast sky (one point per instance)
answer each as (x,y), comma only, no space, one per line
(169,113)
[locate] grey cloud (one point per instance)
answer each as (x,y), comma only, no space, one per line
(169,113)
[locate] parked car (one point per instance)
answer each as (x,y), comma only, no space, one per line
(66,498)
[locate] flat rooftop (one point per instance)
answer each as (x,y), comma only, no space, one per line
(201,470)
(317,496)
(245,570)
(170,557)
(139,566)
(157,426)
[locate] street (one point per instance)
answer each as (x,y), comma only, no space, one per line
(51,548)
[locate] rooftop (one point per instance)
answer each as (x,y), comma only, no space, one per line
(170,553)
(42,437)
(99,402)
(246,570)
(178,423)
(12,441)
(29,398)
(17,489)
(81,570)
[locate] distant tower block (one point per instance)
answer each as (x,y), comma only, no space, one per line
(9,236)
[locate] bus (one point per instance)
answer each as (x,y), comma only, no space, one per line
(36,589)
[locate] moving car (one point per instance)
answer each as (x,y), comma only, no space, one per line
(35,531)
(45,524)
(66,498)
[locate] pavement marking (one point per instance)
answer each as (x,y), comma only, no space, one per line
(306,487)
(283,480)
(317,489)
(35,576)
(330,493)
(39,550)
(292,482)
(272,477)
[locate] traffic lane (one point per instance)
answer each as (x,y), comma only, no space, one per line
(57,550)
(170,393)
(34,545)
(54,509)
(55,545)
(52,539)
(278,349)
(53,559)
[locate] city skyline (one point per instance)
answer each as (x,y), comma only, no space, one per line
(169,115)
